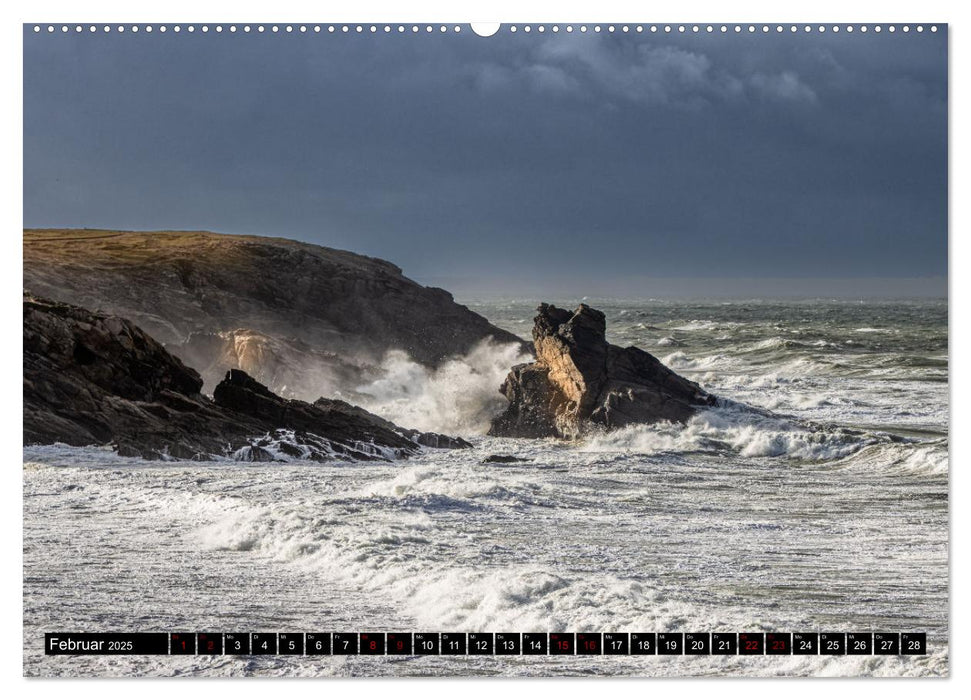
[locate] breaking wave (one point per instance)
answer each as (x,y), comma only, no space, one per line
(926,459)
(460,397)
(459,597)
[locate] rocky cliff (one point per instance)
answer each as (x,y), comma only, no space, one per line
(580,379)
(93,379)
(303,319)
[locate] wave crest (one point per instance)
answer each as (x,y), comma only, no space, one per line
(460,397)
(739,429)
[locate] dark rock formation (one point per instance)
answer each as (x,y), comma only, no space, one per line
(580,379)
(504,459)
(264,305)
(91,379)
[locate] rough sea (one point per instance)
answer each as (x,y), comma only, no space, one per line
(814,499)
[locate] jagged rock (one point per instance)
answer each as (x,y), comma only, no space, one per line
(92,379)
(503,459)
(580,379)
(303,319)
(348,425)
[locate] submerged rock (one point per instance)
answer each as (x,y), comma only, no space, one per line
(504,459)
(92,379)
(580,379)
(253,453)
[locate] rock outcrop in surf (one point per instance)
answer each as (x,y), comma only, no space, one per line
(94,379)
(579,379)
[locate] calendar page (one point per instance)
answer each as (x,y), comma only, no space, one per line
(525,349)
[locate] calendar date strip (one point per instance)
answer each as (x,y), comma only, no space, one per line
(486,643)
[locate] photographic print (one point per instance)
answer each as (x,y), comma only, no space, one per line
(542,350)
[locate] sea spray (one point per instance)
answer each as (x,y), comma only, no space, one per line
(460,397)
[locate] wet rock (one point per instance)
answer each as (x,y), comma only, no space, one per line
(434,440)
(253,453)
(93,379)
(504,459)
(579,379)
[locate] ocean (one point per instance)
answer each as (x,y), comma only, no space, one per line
(814,498)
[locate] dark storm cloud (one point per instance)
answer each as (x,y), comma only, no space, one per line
(599,157)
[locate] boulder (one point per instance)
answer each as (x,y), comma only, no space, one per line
(580,380)
(504,459)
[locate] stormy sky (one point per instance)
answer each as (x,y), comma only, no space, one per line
(624,164)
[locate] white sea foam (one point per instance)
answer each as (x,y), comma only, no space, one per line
(447,481)
(746,432)
(768,344)
(738,520)
(579,540)
(381,561)
(682,361)
(908,459)
(706,325)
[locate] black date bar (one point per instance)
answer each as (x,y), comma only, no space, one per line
(97,644)
(484,643)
